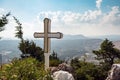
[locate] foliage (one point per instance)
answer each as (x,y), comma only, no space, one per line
(53,55)
(117,61)
(19,32)
(3,21)
(87,71)
(107,53)
(54,60)
(24,69)
(30,49)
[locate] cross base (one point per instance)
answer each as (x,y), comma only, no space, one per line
(46,60)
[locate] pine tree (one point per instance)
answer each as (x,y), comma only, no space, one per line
(107,52)
(3,21)
(19,32)
(28,48)
(54,60)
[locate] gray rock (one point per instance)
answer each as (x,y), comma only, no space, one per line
(62,75)
(63,67)
(114,73)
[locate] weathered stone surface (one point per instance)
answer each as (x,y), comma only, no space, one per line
(114,73)
(62,75)
(53,69)
(62,72)
(63,67)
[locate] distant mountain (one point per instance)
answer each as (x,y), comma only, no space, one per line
(73,37)
(110,37)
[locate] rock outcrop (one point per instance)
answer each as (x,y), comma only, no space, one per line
(62,72)
(63,67)
(114,73)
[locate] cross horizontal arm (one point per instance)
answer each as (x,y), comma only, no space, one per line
(38,35)
(57,35)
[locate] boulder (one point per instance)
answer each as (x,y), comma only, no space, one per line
(114,73)
(62,75)
(63,67)
(53,69)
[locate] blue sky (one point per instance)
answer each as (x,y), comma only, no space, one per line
(30,8)
(87,17)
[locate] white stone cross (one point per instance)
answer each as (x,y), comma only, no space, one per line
(47,35)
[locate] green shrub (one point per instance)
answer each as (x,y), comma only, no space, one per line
(87,71)
(54,60)
(24,69)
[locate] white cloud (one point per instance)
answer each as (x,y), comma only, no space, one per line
(30,27)
(68,16)
(91,15)
(9,31)
(112,17)
(1,11)
(92,22)
(98,3)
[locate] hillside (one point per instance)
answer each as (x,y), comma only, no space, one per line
(71,48)
(117,44)
(64,48)
(110,37)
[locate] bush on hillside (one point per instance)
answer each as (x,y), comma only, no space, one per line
(24,69)
(87,71)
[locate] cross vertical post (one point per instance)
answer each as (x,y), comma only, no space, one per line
(47,29)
